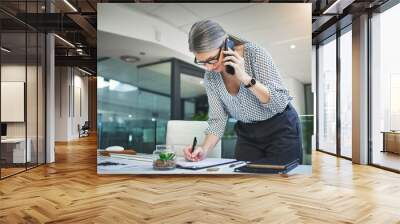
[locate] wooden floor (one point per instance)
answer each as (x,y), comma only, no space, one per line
(70,191)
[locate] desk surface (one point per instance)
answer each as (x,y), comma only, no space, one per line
(391,132)
(13,140)
(135,167)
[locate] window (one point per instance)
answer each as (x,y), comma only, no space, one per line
(385,89)
(327,96)
(346,93)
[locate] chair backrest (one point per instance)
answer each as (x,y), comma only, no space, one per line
(86,125)
(181,133)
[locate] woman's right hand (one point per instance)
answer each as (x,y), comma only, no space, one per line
(198,154)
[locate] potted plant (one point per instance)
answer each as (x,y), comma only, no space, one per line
(164,158)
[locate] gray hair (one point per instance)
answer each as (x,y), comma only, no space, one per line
(206,35)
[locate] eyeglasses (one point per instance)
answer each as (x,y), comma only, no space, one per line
(210,61)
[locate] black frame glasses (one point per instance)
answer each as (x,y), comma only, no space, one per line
(212,60)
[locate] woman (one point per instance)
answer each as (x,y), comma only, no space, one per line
(268,126)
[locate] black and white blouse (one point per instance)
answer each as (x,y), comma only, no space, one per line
(245,106)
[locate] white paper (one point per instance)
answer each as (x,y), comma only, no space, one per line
(203,163)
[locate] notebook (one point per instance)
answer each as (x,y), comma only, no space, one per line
(264,166)
(206,163)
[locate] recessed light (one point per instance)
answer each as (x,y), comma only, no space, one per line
(292,46)
(130,59)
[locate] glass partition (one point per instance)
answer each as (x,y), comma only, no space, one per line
(194,98)
(307,131)
(133,106)
(22,91)
(32,98)
(14,153)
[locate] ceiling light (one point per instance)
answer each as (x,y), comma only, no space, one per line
(5,50)
(126,88)
(201,82)
(64,40)
(43,7)
(113,84)
(101,83)
(121,87)
(292,46)
(70,5)
(84,71)
(130,59)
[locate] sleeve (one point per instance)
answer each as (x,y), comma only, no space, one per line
(217,115)
(267,74)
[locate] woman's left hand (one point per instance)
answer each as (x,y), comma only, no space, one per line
(237,62)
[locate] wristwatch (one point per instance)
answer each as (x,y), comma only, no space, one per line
(251,83)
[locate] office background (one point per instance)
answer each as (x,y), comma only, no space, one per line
(146,75)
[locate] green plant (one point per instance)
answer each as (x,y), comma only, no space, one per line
(165,156)
(201,116)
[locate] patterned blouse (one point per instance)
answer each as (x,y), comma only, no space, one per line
(245,106)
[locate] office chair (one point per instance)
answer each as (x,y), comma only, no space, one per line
(84,130)
(181,133)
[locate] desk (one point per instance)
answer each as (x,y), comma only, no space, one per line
(18,151)
(391,141)
(134,167)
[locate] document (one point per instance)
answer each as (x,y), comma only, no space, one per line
(208,162)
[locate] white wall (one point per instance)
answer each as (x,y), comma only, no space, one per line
(70,84)
(136,24)
(296,90)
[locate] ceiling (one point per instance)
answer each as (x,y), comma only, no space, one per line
(273,26)
(274,29)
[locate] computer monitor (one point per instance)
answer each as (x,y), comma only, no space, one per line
(3,130)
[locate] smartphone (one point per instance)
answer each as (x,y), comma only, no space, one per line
(229,44)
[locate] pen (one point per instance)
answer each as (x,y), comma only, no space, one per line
(194,144)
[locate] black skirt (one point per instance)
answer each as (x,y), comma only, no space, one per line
(277,139)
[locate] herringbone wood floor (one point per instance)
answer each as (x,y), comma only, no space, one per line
(70,191)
